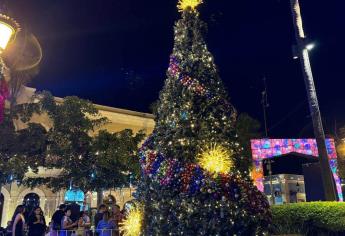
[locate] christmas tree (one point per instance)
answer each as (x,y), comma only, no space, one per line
(195,179)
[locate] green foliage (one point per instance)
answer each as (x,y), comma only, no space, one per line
(154,107)
(91,163)
(247,128)
(309,218)
(20,150)
(72,122)
(115,158)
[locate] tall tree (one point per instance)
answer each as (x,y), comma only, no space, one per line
(247,128)
(20,150)
(194,179)
(114,158)
(89,161)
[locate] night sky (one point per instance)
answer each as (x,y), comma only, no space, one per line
(116,52)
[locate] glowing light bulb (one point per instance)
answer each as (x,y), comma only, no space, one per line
(6,32)
(310,46)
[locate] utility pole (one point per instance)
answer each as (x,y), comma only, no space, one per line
(265,105)
(301,51)
(269,168)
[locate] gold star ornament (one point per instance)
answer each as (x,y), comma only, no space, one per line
(185,4)
(132,225)
(216,159)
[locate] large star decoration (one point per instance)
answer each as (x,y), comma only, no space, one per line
(185,4)
(216,159)
(132,225)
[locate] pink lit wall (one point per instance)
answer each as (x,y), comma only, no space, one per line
(267,148)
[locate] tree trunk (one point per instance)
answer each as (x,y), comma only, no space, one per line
(99,197)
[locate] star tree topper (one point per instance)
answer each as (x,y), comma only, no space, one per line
(185,4)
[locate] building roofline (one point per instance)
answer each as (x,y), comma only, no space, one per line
(118,110)
(106,108)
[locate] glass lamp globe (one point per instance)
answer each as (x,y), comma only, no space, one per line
(8,28)
(6,32)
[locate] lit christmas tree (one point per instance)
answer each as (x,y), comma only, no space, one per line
(194,178)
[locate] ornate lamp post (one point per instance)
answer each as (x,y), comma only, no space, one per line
(20,55)
(8,29)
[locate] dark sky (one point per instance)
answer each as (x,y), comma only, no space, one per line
(116,52)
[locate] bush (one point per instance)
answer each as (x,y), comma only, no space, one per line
(310,218)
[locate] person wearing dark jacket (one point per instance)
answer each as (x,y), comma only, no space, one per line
(99,216)
(36,223)
(56,219)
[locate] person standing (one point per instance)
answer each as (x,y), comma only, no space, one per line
(84,224)
(67,225)
(56,220)
(36,223)
(99,216)
(117,218)
(106,226)
(18,221)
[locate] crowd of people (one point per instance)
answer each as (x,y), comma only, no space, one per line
(66,221)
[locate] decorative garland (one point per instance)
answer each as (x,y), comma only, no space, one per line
(194,85)
(191,179)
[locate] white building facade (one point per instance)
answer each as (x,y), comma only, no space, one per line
(13,195)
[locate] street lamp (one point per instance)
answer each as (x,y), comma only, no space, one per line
(310,46)
(304,44)
(6,32)
(8,28)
